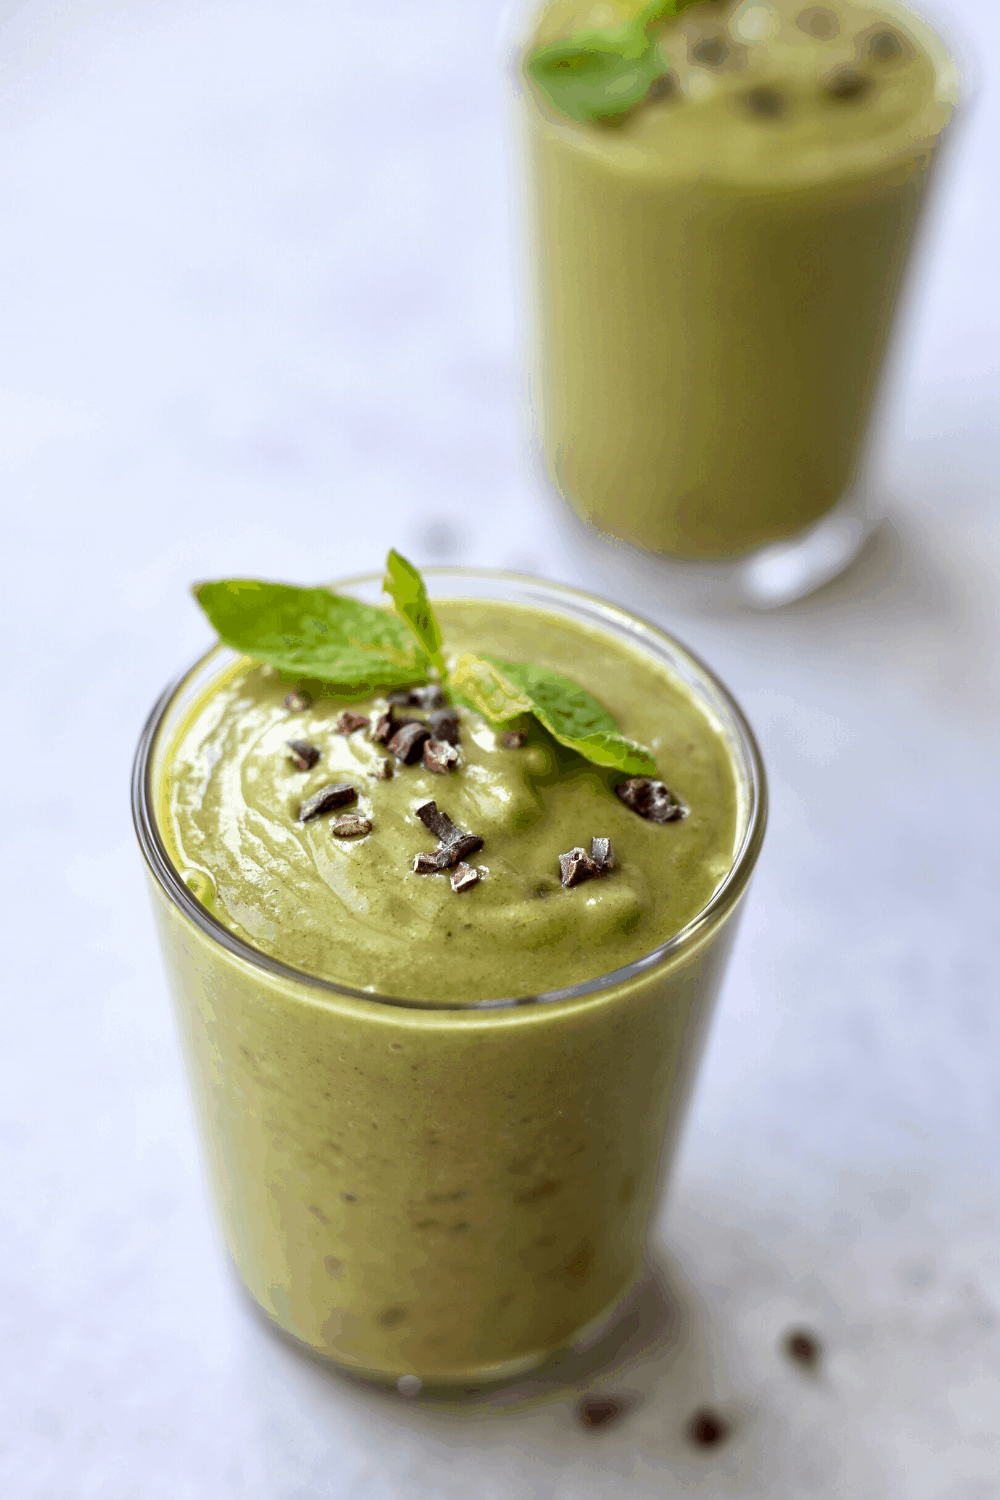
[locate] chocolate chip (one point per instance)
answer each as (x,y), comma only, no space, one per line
(326,799)
(803,1348)
(298,701)
(305,756)
(447,855)
(385,728)
(847,85)
(438,822)
(818,22)
(350,826)
(464,877)
(602,854)
(439,756)
(711,50)
(349,722)
(664,87)
(765,102)
(651,799)
(407,743)
(512,739)
(595,1411)
(444,725)
(453,844)
(388,724)
(576,866)
(466,843)
(706,1428)
(382,770)
(427,864)
(885,46)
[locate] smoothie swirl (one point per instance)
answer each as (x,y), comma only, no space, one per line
(354,910)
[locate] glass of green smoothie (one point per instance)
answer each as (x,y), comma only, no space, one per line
(438,1097)
(721,198)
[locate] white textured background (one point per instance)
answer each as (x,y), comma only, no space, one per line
(258,315)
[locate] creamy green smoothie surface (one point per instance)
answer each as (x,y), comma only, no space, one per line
(344,902)
(768,92)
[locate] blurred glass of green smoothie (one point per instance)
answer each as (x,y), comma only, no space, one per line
(717,258)
(437,1106)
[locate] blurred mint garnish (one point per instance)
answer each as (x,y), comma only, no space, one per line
(602,72)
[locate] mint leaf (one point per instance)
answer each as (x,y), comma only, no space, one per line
(576,719)
(600,73)
(314,633)
(502,690)
(594,75)
(405,587)
(479,683)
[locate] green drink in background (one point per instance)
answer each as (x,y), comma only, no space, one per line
(716,263)
(437,1123)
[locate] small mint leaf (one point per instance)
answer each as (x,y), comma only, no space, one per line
(405,588)
(600,73)
(479,683)
(591,76)
(313,633)
(576,719)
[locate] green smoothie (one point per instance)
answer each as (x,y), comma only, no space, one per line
(716,269)
(353,910)
(416,1183)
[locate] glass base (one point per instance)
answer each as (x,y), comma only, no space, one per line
(472,1378)
(766,578)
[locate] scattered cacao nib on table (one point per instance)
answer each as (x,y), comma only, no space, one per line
(350,826)
(349,722)
(297,702)
(326,799)
(651,799)
(408,742)
(512,739)
(464,877)
(439,756)
(305,756)
(803,1347)
(577,865)
(706,1428)
(595,1411)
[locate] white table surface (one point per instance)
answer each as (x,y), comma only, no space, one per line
(259,317)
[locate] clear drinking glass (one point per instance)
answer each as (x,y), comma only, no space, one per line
(411,1188)
(714,281)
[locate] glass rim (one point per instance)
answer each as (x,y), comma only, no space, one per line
(726,895)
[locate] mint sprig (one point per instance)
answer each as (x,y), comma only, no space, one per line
(602,72)
(357,649)
(312,633)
